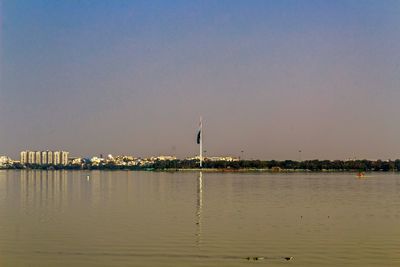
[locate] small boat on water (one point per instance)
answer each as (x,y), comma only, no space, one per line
(360,175)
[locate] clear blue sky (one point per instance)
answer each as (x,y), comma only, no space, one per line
(269,77)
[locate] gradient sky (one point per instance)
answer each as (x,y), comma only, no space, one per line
(268,77)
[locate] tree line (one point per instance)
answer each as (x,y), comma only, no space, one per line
(307,165)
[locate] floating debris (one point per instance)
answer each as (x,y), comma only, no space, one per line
(255,258)
(269,258)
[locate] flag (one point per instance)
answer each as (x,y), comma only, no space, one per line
(199,133)
(198,137)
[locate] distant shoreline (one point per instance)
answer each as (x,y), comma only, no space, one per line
(273,166)
(207,170)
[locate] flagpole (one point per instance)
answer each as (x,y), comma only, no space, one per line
(201,142)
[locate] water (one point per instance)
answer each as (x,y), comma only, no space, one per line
(102,218)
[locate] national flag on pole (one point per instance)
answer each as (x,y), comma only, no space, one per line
(199,134)
(198,137)
(200,142)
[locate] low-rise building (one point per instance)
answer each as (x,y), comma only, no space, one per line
(162,158)
(5,161)
(77,161)
(96,160)
(224,158)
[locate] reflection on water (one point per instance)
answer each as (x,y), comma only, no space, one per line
(31,188)
(64,218)
(199,207)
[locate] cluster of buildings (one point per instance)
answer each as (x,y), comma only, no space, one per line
(5,161)
(44,157)
(120,160)
(224,158)
(62,158)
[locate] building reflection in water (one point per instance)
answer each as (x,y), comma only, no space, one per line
(199,208)
(35,188)
(60,188)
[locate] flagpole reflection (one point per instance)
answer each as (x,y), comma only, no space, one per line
(199,207)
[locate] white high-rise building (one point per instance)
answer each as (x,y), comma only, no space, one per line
(24,157)
(57,158)
(64,157)
(38,157)
(44,157)
(31,157)
(50,157)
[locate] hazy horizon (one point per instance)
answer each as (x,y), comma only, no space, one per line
(269,78)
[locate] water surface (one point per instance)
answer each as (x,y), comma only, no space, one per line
(105,218)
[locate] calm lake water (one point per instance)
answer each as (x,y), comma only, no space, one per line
(64,218)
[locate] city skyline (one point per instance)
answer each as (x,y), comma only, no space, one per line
(270,78)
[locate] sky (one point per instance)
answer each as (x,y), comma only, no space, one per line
(269,78)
